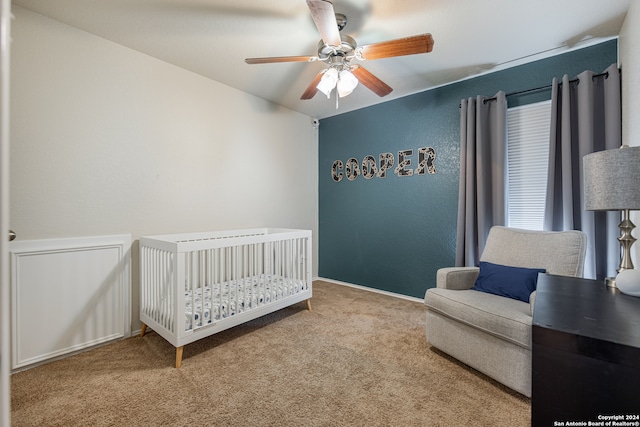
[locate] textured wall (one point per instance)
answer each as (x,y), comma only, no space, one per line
(393,233)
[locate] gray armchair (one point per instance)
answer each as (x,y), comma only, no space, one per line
(492,333)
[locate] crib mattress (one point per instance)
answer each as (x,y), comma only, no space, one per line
(210,303)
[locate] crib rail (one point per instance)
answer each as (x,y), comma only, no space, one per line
(192,281)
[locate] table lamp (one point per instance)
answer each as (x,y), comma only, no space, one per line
(612,182)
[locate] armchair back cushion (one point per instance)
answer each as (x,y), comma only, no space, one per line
(560,253)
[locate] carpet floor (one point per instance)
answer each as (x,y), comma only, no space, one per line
(357,359)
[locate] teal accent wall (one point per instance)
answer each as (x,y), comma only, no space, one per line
(394,233)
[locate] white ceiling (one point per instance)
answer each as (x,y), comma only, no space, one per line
(213,37)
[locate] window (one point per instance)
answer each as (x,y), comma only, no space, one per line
(528,129)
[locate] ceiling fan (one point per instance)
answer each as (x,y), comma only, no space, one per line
(339,50)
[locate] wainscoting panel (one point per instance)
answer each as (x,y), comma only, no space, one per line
(68,295)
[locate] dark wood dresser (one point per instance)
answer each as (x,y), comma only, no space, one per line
(586,354)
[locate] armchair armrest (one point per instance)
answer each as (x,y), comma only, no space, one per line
(532,301)
(457,278)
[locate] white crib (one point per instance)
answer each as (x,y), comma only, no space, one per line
(197,284)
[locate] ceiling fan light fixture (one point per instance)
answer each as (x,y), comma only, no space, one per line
(328,81)
(346,83)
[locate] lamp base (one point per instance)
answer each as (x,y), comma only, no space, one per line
(629,282)
(626,241)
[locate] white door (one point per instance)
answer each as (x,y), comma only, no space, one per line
(5,359)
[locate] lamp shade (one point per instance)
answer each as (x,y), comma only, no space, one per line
(612,179)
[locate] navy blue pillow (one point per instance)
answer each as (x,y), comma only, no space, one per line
(510,282)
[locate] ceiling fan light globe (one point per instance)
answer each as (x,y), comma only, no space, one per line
(326,86)
(325,89)
(328,81)
(343,91)
(347,83)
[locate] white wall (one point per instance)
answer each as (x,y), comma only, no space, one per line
(630,64)
(106,140)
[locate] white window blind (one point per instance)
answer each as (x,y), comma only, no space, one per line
(528,129)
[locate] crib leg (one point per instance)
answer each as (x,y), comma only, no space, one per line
(309,304)
(179,356)
(143,330)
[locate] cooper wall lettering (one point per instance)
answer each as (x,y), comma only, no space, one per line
(369,168)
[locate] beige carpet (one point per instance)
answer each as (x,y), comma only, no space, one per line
(357,359)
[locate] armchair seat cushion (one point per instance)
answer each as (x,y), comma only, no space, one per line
(505,318)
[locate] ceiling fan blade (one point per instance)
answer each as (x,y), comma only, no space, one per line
(274,59)
(399,47)
(312,89)
(376,85)
(325,19)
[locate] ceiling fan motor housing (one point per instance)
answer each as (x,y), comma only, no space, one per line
(345,50)
(341,20)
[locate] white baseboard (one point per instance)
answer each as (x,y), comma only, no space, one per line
(365,288)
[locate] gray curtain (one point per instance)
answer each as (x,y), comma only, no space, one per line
(483,171)
(585,117)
